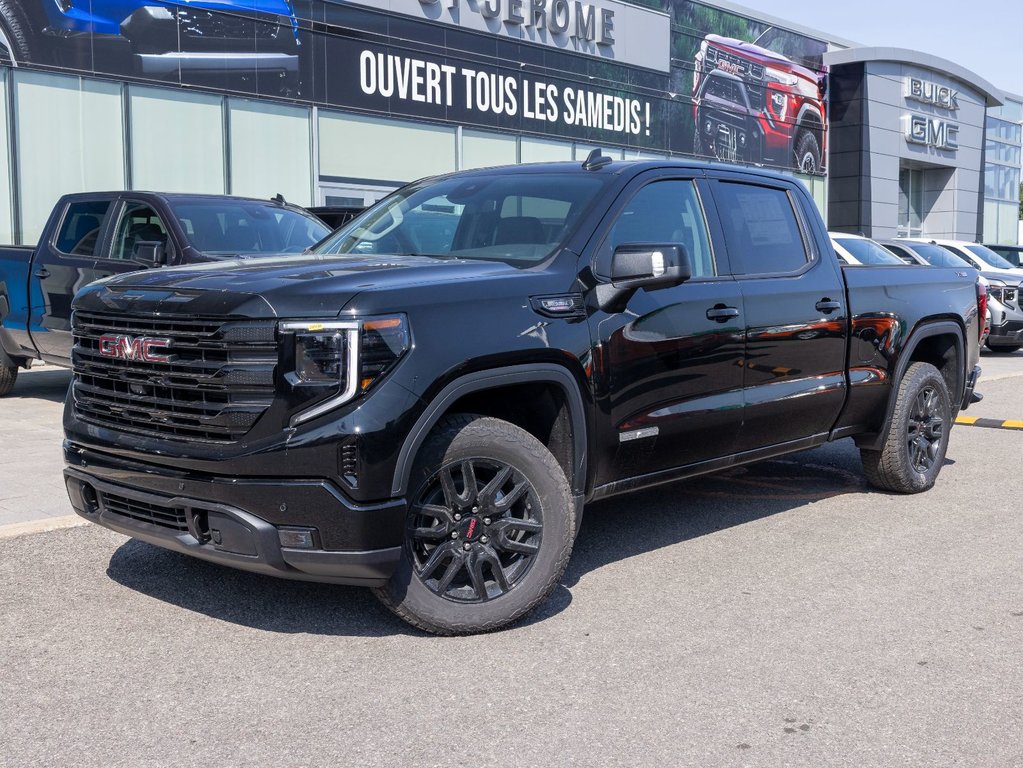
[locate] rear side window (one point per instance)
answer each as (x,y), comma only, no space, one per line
(79,229)
(761,230)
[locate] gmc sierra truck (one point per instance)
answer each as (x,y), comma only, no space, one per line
(753,103)
(425,403)
(93,235)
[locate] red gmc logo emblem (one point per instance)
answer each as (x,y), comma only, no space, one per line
(134,348)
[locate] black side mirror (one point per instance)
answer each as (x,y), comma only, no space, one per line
(643,265)
(152,253)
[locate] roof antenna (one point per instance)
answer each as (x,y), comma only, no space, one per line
(279,199)
(594,161)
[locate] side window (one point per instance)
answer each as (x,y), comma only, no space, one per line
(139,224)
(80,227)
(902,253)
(761,229)
(666,212)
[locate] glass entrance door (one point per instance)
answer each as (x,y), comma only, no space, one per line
(911,184)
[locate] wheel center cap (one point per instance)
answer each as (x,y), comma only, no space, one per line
(472,529)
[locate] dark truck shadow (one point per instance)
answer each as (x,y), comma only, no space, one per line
(612,530)
(47,384)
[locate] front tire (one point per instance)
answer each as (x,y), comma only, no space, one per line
(17,37)
(807,153)
(916,437)
(489,532)
(8,375)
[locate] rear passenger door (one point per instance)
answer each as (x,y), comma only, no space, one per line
(793,299)
(65,262)
(666,377)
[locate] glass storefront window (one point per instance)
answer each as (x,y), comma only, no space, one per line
(999,152)
(1004,130)
(481,149)
(371,149)
(6,203)
(177,140)
(259,168)
(70,138)
(545,150)
(1001,182)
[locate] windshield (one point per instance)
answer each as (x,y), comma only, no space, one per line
(517,218)
(806,51)
(867,251)
(988,256)
(937,256)
(247,226)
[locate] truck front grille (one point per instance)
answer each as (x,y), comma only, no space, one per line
(737,65)
(211,381)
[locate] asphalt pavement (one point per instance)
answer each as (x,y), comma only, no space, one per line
(778,614)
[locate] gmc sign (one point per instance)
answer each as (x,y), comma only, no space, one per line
(134,348)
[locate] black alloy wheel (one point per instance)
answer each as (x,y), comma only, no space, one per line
(912,448)
(925,428)
(489,531)
(475,530)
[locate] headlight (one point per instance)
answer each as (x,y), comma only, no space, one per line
(996,291)
(777,76)
(349,355)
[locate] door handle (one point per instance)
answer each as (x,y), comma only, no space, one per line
(827,305)
(721,313)
(43,273)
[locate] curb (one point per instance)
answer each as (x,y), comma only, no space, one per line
(40,526)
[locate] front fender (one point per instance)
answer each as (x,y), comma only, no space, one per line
(490,379)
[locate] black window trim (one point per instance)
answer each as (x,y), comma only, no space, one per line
(813,257)
(100,237)
(629,192)
(113,221)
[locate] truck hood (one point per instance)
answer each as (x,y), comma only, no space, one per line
(275,286)
(762,55)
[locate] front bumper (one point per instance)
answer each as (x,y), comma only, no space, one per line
(186,39)
(169,63)
(239,522)
(1009,333)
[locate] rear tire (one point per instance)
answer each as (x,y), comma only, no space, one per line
(916,437)
(8,375)
(1004,349)
(489,532)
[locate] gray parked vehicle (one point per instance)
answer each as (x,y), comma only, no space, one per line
(1003,291)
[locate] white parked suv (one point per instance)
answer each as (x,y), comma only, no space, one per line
(1005,283)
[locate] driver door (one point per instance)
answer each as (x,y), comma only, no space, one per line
(668,368)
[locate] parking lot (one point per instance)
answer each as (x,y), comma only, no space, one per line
(778,614)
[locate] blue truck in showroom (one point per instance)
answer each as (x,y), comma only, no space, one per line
(425,403)
(92,235)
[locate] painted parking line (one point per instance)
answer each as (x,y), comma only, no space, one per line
(975,421)
(44,525)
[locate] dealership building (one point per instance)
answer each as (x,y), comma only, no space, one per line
(341,102)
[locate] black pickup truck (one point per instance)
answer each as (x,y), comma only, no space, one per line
(425,404)
(97,234)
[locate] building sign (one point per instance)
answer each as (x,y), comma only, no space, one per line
(609,29)
(927,92)
(696,80)
(932,132)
